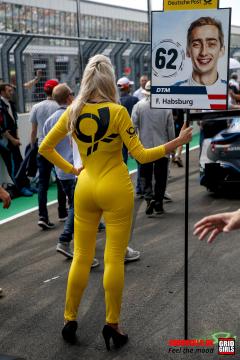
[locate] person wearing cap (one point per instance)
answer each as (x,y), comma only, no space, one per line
(128,101)
(39,114)
(155,127)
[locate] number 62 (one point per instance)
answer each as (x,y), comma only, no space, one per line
(160,59)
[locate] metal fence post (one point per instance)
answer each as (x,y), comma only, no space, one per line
(115,56)
(87,51)
(19,71)
(141,58)
(135,61)
(5,52)
(98,49)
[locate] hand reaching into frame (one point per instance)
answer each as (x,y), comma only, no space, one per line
(215,224)
(5,197)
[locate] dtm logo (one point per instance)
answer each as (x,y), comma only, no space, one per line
(226,346)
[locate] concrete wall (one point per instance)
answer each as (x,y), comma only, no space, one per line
(24,134)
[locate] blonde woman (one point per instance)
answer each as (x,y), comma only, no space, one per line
(99,125)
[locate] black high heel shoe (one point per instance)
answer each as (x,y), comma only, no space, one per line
(69,332)
(118,339)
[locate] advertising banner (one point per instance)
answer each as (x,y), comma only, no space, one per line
(190,52)
(189,4)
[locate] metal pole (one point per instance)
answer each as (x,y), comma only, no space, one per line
(149,7)
(187,118)
(80,53)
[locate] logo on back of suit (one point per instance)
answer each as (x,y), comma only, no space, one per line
(102,122)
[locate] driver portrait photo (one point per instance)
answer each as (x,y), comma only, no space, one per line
(190,56)
(205,45)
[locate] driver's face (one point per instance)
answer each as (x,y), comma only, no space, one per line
(205,48)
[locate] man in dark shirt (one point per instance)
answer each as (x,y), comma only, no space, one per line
(9,140)
(128,101)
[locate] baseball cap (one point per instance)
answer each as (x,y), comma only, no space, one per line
(50,84)
(147,90)
(124,82)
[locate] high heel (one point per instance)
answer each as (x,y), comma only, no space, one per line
(118,339)
(69,332)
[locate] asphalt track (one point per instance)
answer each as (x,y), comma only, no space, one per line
(34,276)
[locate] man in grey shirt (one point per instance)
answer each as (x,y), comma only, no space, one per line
(155,127)
(38,115)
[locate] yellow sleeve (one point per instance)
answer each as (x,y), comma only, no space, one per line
(132,142)
(55,135)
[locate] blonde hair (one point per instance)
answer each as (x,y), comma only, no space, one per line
(98,82)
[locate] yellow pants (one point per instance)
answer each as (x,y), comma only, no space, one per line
(110,195)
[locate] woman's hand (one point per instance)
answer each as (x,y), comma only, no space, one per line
(185,134)
(77,171)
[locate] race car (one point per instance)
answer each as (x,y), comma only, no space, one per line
(220,160)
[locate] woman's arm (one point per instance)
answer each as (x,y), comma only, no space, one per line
(135,147)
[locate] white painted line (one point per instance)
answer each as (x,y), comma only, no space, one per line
(53,278)
(25,212)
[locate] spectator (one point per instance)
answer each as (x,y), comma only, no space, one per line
(128,101)
(6,199)
(233,83)
(9,140)
(29,84)
(233,99)
(39,114)
(155,127)
(139,92)
(64,96)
